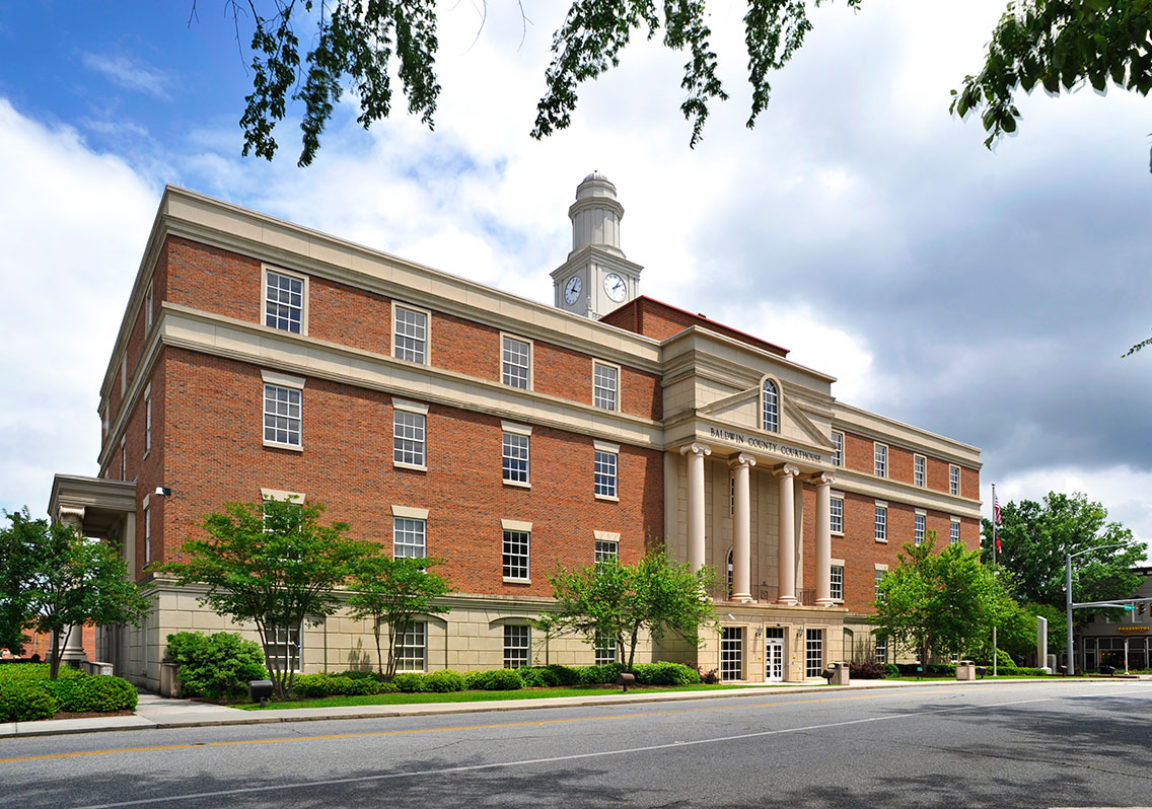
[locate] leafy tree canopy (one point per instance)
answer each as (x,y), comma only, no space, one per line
(612,600)
(273,564)
(936,605)
(1035,537)
(61,579)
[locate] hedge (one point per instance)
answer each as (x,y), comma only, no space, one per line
(215,666)
(28,695)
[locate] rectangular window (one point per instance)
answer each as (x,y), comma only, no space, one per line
(606,551)
(838,452)
(814,653)
(836,512)
(148,299)
(282,415)
(732,653)
(881,523)
(919,471)
(954,480)
(605,473)
(285,647)
(410,335)
(605,386)
(954,532)
(605,649)
(878,577)
(284,302)
(516,547)
(147,425)
(516,363)
(837,582)
(918,536)
(408,437)
(412,647)
(880,458)
(409,538)
(123,458)
(147,535)
(881,649)
(514,459)
(517,646)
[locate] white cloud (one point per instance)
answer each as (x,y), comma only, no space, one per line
(130,74)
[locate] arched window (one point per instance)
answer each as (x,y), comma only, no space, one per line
(771,407)
(729,595)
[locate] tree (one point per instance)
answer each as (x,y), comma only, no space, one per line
(355,43)
(272,564)
(940,604)
(612,600)
(62,579)
(1035,537)
(394,592)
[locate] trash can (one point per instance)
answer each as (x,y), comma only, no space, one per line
(965,670)
(838,673)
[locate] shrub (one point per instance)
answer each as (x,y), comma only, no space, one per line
(410,683)
(599,675)
(444,681)
(665,673)
(505,680)
(867,670)
(311,686)
(891,671)
(565,675)
(215,665)
(533,678)
(36,671)
(709,677)
(99,693)
(26,701)
(476,680)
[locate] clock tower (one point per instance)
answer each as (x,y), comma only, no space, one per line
(596,278)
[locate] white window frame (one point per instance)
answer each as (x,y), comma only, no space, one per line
(836,520)
(147,530)
(516,447)
(420,350)
(881,648)
(605,650)
(879,459)
(147,420)
(516,551)
(293,386)
(600,392)
(954,480)
(412,648)
(409,537)
(880,522)
(409,435)
(517,646)
(954,531)
(919,471)
(813,652)
(293,650)
(303,308)
(770,405)
(148,302)
(878,573)
(606,546)
(836,580)
(513,379)
(838,448)
(732,653)
(606,471)
(919,527)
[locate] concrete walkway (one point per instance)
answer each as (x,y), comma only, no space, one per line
(157,712)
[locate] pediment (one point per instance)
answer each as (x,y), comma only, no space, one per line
(743,409)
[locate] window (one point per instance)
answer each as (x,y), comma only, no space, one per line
(605,649)
(148,297)
(517,646)
(284,302)
(605,386)
(604,473)
(953,479)
(282,416)
(516,363)
(837,582)
(838,448)
(814,653)
(881,649)
(409,423)
(412,647)
(878,577)
(880,460)
(147,533)
(732,653)
(516,546)
(285,647)
(919,471)
(954,532)
(409,538)
(148,424)
(918,536)
(123,458)
(514,458)
(770,407)
(410,335)
(607,548)
(881,523)
(836,510)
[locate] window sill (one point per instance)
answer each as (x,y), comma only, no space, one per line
(611,498)
(144,457)
(882,541)
(517,484)
(278,445)
(508,580)
(412,466)
(837,533)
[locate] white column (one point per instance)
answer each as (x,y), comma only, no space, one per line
(824,539)
(74,644)
(786,536)
(696,454)
(742,528)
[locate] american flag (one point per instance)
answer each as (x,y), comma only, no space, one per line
(996,519)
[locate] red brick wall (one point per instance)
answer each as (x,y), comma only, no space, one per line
(215,455)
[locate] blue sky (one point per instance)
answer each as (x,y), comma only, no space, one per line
(983,295)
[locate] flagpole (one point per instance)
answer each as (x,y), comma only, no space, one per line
(995,545)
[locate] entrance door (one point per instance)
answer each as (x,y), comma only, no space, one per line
(774,654)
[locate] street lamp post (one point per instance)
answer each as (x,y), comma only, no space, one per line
(1070,667)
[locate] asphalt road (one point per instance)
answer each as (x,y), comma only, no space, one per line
(996,745)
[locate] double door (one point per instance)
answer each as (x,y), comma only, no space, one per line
(774,654)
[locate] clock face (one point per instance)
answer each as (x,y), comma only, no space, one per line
(572,290)
(615,287)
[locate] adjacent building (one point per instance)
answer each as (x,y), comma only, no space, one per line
(260,359)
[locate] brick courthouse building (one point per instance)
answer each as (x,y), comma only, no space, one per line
(444,418)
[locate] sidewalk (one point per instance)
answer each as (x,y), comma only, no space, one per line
(157,712)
